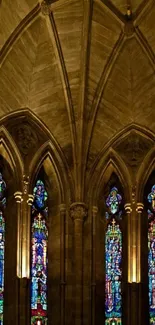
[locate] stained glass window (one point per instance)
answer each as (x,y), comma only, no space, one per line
(39,261)
(2,244)
(113,259)
(151,254)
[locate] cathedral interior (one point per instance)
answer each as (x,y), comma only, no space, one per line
(77,162)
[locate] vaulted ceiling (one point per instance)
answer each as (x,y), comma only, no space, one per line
(85,68)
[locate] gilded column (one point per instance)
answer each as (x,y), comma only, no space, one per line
(78,212)
(30,199)
(25,230)
(62,261)
(19,199)
(93,275)
(128,210)
(139,211)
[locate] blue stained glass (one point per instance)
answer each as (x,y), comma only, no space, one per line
(113,256)
(113,202)
(151,254)
(40,195)
(2,244)
(39,260)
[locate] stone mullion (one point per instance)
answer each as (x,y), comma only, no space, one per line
(62,262)
(93,274)
(78,213)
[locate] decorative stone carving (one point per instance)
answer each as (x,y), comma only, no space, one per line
(30,199)
(140,207)
(45,9)
(45,6)
(26,182)
(78,210)
(128,208)
(26,137)
(134,148)
(18,196)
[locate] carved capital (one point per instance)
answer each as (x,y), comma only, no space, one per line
(140,207)
(18,197)
(78,211)
(128,208)
(30,199)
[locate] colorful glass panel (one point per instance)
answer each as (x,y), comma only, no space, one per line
(113,256)
(39,260)
(2,244)
(151,254)
(113,202)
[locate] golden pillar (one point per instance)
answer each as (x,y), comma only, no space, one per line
(19,199)
(78,212)
(128,210)
(24,200)
(139,211)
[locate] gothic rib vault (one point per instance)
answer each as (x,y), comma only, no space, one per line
(87,72)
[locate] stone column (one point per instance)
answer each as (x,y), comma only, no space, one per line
(19,307)
(93,273)
(19,199)
(127,291)
(23,281)
(62,262)
(128,210)
(78,212)
(24,200)
(139,211)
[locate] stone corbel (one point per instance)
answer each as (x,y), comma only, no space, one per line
(78,211)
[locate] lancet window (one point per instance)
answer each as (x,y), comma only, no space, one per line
(113,258)
(2,243)
(151,253)
(39,259)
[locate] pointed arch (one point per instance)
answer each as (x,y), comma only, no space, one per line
(11,154)
(55,164)
(145,170)
(119,136)
(49,147)
(109,163)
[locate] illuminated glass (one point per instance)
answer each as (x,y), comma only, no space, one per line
(2,244)
(151,254)
(113,202)
(113,259)
(39,262)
